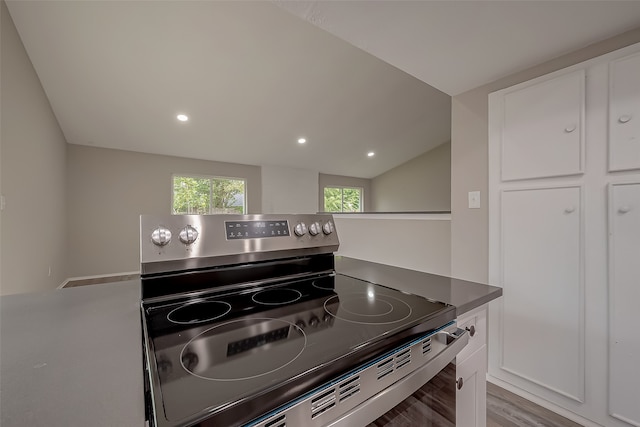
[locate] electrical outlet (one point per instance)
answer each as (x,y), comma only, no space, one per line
(474,200)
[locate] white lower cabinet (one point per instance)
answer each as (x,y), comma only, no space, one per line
(471,372)
(624,294)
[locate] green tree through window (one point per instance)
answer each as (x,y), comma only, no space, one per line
(202,195)
(342,199)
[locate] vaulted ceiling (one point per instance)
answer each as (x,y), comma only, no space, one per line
(253,77)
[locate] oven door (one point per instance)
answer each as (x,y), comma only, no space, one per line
(370,391)
(436,379)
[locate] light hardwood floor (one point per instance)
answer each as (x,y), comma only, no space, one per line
(505,409)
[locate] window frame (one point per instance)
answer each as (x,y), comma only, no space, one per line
(342,187)
(211,177)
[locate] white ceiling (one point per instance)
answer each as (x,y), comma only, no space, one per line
(457,46)
(254,77)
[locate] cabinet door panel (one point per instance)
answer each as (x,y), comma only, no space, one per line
(542,134)
(624,114)
(624,297)
(542,325)
(471,398)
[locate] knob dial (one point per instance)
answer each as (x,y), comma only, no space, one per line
(314,229)
(327,228)
(313,322)
(188,235)
(161,236)
(300,229)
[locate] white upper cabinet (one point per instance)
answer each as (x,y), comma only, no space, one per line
(543,129)
(624,114)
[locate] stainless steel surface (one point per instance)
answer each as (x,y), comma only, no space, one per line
(160,254)
(462,294)
(72,357)
(370,391)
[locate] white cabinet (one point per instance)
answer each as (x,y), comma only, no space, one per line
(471,395)
(624,296)
(542,133)
(624,113)
(541,270)
(471,372)
(564,240)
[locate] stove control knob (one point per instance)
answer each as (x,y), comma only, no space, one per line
(300,324)
(327,228)
(300,229)
(313,322)
(314,229)
(327,317)
(188,235)
(161,236)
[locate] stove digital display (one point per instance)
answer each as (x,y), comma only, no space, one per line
(256,229)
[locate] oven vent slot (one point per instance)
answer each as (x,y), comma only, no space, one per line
(322,403)
(426,346)
(403,358)
(349,388)
(385,367)
(277,422)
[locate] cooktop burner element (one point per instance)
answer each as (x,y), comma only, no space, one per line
(199,312)
(369,308)
(243,349)
(325,284)
(276,296)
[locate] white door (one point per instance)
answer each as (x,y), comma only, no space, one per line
(624,297)
(624,113)
(541,262)
(542,132)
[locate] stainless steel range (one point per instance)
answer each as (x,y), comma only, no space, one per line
(247,323)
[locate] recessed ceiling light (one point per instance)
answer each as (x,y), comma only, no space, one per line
(182,117)
(301,140)
(371,154)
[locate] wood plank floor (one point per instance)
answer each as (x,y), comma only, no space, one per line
(505,409)
(432,406)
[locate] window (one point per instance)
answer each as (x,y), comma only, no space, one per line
(342,199)
(208,195)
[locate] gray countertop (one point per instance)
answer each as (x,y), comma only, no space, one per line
(464,295)
(73,357)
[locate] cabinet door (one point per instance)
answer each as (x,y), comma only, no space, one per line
(471,398)
(624,297)
(542,323)
(542,135)
(624,113)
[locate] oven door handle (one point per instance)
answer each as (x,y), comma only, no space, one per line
(376,406)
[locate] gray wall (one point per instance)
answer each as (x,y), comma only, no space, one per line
(326,180)
(407,241)
(289,190)
(109,189)
(469,158)
(421,184)
(32,175)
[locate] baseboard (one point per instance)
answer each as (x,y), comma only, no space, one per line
(542,402)
(100,278)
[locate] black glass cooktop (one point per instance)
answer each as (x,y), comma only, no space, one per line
(210,355)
